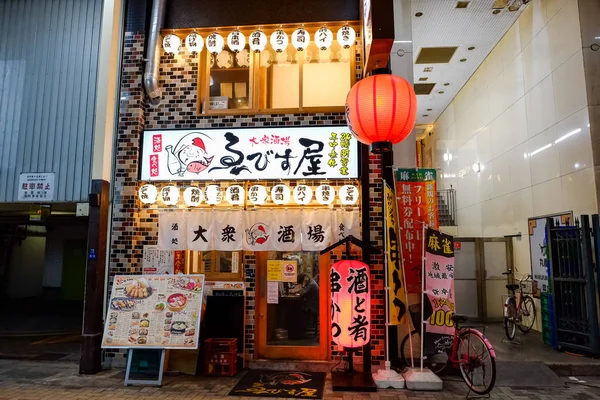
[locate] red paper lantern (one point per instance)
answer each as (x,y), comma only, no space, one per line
(350,303)
(381,110)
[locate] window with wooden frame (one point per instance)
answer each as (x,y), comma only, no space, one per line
(215,265)
(312,80)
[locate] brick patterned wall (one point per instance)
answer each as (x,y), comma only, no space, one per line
(133,227)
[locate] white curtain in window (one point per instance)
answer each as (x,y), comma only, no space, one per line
(229,230)
(172,234)
(287,228)
(258,234)
(346,223)
(201,231)
(316,229)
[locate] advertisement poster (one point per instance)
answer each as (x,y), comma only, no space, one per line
(417,205)
(162,262)
(274,270)
(36,187)
(243,153)
(397,296)
(290,271)
(439,289)
(154,311)
(272,292)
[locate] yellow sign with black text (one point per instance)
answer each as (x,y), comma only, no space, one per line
(397,295)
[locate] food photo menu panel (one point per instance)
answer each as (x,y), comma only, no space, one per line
(154,311)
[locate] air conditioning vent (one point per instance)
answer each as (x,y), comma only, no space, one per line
(435,55)
(424,88)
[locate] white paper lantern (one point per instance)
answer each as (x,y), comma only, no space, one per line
(235,195)
(323,38)
(325,194)
(148,194)
(300,39)
(225,59)
(258,41)
(280,194)
(303,194)
(236,41)
(170,195)
(279,40)
(192,196)
(194,43)
(213,194)
(215,43)
(257,194)
(172,43)
(243,58)
(346,36)
(348,194)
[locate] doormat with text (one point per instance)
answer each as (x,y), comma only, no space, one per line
(306,385)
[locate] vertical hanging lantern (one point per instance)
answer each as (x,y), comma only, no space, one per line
(348,195)
(323,38)
(170,195)
(236,41)
(325,194)
(280,194)
(194,43)
(279,40)
(192,196)
(381,110)
(258,41)
(346,36)
(303,194)
(213,194)
(257,194)
(350,303)
(147,194)
(235,195)
(172,43)
(215,43)
(300,39)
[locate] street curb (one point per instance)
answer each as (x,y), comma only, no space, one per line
(584,369)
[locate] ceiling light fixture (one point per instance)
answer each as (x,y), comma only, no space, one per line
(533,153)
(402,41)
(430,109)
(419,14)
(447,84)
(426,115)
(477,167)
(496,12)
(463,59)
(441,92)
(472,48)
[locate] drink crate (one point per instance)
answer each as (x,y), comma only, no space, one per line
(549,328)
(546,301)
(220,357)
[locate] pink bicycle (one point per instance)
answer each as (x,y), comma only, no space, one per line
(471,353)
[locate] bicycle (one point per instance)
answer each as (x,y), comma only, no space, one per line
(519,314)
(471,352)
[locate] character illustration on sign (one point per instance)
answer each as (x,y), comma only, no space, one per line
(285,378)
(257,234)
(189,155)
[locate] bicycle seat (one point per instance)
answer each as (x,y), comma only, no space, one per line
(459,319)
(512,286)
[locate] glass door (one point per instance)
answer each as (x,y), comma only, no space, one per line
(292,318)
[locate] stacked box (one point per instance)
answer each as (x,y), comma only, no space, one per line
(220,356)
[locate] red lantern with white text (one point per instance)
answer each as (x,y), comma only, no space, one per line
(381,110)
(350,303)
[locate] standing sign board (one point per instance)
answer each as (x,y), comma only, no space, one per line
(265,153)
(439,290)
(37,187)
(154,311)
(417,205)
(397,297)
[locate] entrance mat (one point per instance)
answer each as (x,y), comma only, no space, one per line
(305,385)
(526,374)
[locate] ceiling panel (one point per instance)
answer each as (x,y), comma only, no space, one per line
(444,25)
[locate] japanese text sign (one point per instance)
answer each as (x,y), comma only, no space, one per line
(36,187)
(439,288)
(350,303)
(417,205)
(397,296)
(266,153)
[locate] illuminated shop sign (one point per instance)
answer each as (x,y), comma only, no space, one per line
(261,153)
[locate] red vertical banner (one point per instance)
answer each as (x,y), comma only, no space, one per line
(417,205)
(178,262)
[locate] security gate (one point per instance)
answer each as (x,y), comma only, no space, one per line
(573,284)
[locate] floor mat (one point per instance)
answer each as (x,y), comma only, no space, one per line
(306,385)
(526,374)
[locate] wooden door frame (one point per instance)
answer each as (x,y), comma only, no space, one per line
(322,352)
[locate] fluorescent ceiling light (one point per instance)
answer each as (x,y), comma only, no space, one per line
(402,41)
(563,137)
(540,149)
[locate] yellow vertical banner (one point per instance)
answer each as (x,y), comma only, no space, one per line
(397,297)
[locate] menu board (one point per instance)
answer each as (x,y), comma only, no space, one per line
(154,311)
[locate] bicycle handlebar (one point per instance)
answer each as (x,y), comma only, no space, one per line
(509,272)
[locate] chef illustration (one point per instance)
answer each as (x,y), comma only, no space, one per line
(189,155)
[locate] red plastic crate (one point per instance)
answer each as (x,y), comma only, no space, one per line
(218,345)
(220,357)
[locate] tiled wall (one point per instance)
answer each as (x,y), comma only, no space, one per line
(134,227)
(523,116)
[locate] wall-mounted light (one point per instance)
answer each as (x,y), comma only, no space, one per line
(447,156)
(476,167)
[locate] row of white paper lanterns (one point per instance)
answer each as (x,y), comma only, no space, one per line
(236,41)
(280,194)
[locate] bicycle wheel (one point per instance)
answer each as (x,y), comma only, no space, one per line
(528,315)
(476,363)
(509,320)
(436,362)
